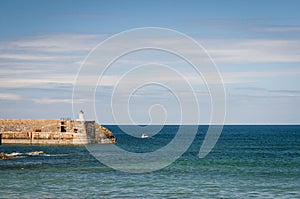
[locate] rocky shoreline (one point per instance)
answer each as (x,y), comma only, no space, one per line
(4,156)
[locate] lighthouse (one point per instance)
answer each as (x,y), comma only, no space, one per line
(81,117)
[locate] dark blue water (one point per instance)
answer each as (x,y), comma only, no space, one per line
(247,161)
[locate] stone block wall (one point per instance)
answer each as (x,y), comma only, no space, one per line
(53,132)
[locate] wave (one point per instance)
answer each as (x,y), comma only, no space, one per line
(27,154)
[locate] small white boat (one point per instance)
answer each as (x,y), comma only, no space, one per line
(144,135)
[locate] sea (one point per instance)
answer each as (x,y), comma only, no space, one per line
(248,161)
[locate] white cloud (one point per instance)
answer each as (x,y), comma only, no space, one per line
(281,28)
(253,50)
(30,82)
(269,93)
(52,101)
(239,77)
(35,57)
(54,43)
(10,96)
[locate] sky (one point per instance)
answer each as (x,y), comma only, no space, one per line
(254,44)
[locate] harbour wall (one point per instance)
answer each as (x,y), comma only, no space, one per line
(53,132)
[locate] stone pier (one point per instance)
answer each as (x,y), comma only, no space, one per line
(53,132)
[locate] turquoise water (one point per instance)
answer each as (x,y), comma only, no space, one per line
(247,161)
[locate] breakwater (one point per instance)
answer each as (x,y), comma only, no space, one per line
(53,132)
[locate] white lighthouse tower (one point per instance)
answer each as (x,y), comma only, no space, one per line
(81,117)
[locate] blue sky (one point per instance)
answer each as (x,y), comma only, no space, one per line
(255,45)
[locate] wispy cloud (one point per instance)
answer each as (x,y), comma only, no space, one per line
(34,57)
(10,96)
(270,93)
(52,101)
(239,77)
(54,43)
(40,82)
(281,28)
(254,50)
(42,60)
